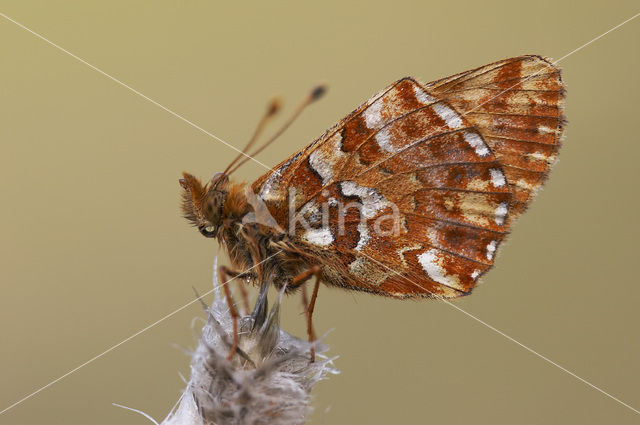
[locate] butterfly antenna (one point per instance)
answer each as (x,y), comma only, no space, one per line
(272,109)
(314,95)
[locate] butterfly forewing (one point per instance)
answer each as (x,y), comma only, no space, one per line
(436,171)
(316,165)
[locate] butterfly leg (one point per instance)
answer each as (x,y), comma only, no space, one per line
(241,286)
(224,274)
(309,305)
(244,294)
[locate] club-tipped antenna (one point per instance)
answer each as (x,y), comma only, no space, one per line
(313,95)
(272,109)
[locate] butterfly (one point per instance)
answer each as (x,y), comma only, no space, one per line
(408,196)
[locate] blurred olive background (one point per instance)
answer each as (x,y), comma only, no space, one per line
(93,247)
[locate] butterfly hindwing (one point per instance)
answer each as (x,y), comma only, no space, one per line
(517,105)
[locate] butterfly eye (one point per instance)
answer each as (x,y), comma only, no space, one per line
(208,231)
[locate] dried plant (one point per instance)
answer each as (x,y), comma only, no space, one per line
(268,381)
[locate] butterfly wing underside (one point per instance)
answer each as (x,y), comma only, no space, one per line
(517,104)
(437,175)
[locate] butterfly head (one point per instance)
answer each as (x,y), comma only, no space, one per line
(202,203)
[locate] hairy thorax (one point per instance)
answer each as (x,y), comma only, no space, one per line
(265,252)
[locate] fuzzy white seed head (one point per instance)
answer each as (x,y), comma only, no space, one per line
(268,380)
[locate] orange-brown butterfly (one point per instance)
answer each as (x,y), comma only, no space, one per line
(408,196)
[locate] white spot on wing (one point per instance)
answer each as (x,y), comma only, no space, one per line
(491,250)
(371,201)
(422,96)
(432,266)
(449,116)
(537,155)
(320,237)
(475,274)
(323,163)
(476,142)
(372,115)
(497,177)
(321,167)
(384,140)
(364,235)
(501,213)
